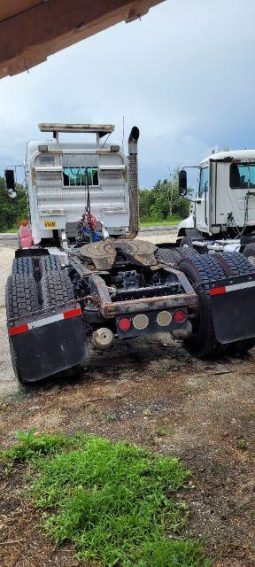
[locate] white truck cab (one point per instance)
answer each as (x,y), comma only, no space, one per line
(224,206)
(59,174)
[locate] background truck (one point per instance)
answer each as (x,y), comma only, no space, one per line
(223,212)
(85,281)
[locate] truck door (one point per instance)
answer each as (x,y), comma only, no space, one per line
(202,201)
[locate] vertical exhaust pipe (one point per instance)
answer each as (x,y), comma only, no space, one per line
(133,183)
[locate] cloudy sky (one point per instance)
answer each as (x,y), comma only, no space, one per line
(185,75)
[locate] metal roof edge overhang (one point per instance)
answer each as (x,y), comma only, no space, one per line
(31,30)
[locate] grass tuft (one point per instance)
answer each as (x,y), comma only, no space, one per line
(31,444)
(150,221)
(109,499)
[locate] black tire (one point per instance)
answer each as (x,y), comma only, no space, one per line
(21,296)
(168,255)
(235,264)
(201,270)
(187,251)
(21,300)
(56,288)
(23,265)
(49,263)
(174,255)
(249,253)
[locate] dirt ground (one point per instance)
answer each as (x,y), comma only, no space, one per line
(150,392)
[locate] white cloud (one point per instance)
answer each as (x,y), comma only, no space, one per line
(184,75)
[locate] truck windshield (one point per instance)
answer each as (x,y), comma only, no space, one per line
(242,175)
(76,176)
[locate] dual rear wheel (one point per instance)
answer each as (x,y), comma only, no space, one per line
(201,270)
(35,285)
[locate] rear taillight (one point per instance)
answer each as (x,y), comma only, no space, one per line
(124,324)
(179,316)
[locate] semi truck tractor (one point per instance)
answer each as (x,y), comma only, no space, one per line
(222,215)
(81,279)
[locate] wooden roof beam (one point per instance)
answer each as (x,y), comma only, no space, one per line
(29,36)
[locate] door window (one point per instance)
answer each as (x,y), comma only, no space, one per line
(204,181)
(242,176)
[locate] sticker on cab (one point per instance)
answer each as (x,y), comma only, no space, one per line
(49,224)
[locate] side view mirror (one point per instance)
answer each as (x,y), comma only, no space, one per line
(183,188)
(9,179)
(10,183)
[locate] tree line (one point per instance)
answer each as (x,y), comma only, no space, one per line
(163,202)
(12,211)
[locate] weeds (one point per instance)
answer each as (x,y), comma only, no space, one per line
(109,499)
(161,431)
(242,444)
(31,444)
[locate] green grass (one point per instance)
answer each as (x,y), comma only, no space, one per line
(12,230)
(113,501)
(152,222)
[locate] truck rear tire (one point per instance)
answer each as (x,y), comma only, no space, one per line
(187,251)
(21,300)
(56,289)
(249,253)
(22,265)
(49,263)
(21,296)
(200,271)
(168,255)
(235,264)
(173,255)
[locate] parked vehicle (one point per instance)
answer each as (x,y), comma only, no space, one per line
(85,280)
(223,212)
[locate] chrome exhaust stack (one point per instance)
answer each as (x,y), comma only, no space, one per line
(133,183)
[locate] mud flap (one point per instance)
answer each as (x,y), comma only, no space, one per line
(49,349)
(233,308)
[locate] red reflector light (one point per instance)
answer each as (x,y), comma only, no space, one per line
(17,330)
(72,313)
(124,324)
(179,316)
(217,290)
